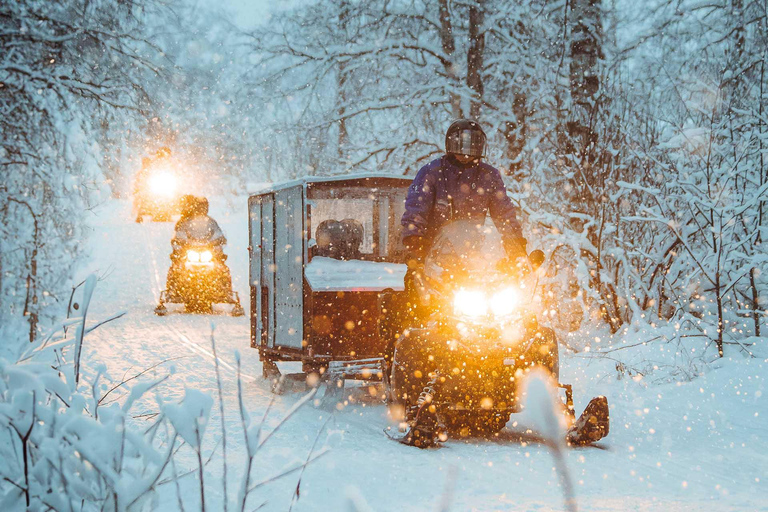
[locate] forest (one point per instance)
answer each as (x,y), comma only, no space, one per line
(632,136)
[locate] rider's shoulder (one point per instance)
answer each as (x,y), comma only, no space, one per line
(489,169)
(490,173)
(431,168)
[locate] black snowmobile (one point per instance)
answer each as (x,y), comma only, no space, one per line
(199,276)
(459,372)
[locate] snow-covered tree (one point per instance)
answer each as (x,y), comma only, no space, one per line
(67,69)
(589,107)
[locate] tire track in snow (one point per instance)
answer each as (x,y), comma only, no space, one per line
(156,289)
(186,341)
(177,334)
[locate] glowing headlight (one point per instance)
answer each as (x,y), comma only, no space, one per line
(470,303)
(206,256)
(193,256)
(504,302)
(163,183)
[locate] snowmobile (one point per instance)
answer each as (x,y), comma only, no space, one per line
(458,372)
(199,278)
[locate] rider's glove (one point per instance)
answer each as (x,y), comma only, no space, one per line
(516,264)
(415,248)
(516,248)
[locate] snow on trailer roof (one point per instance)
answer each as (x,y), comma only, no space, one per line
(328,274)
(267,188)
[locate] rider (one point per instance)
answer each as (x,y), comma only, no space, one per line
(196,225)
(147,163)
(456,186)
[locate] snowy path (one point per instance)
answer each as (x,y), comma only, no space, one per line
(697,446)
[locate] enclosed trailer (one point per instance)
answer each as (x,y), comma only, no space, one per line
(309,301)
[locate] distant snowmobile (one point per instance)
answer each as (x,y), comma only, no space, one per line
(459,374)
(155,190)
(198,277)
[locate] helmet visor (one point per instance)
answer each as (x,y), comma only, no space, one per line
(466,142)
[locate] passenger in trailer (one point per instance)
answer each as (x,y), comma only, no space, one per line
(340,240)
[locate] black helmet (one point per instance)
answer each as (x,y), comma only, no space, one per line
(329,238)
(188,205)
(201,206)
(465,137)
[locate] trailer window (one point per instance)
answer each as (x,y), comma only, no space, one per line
(360,210)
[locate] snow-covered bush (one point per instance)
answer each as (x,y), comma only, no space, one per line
(66,444)
(61,448)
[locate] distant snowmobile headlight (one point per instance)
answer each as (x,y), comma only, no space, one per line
(163,183)
(505,302)
(193,256)
(470,303)
(206,256)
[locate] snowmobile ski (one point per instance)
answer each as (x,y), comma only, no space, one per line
(422,432)
(592,425)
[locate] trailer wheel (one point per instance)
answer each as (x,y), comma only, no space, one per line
(334,393)
(269,369)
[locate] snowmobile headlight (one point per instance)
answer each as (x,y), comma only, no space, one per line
(206,256)
(504,302)
(193,256)
(163,183)
(470,303)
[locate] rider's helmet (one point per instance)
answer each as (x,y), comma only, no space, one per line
(188,205)
(163,152)
(201,206)
(465,137)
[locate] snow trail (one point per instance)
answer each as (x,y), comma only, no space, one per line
(678,447)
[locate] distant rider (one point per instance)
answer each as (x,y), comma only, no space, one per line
(163,155)
(196,226)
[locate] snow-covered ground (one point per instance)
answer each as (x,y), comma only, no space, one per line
(699,445)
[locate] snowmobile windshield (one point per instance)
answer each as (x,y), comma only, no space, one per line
(465,248)
(199,229)
(463,275)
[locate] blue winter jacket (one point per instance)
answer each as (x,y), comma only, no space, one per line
(445,190)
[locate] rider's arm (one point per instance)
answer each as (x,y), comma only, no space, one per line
(217,235)
(419,203)
(504,215)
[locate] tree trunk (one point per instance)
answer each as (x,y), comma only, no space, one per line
(449,47)
(475,56)
(586,50)
(585,55)
(755,301)
(515,132)
(342,80)
(720,313)
(739,41)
